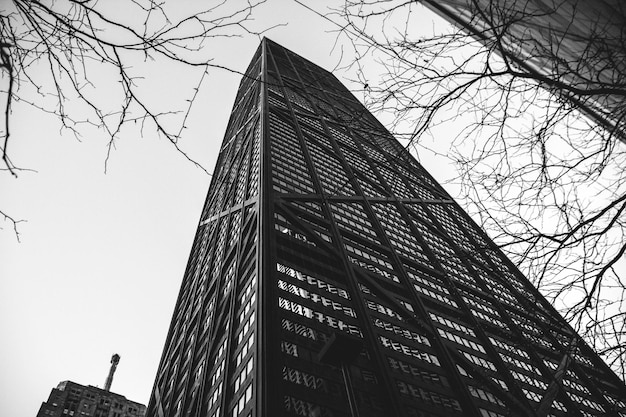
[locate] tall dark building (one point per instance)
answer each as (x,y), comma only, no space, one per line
(331,275)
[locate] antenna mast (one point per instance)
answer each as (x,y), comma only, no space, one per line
(115,359)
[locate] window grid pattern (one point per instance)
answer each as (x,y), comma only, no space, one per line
(341,137)
(399,233)
(287,159)
(398,187)
(296,99)
(314,134)
(275,97)
(359,164)
(253,182)
(330,172)
(352,217)
(369,189)
(431,287)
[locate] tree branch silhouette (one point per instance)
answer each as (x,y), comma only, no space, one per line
(88,63)
(535,96)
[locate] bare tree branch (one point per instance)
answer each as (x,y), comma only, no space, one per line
(69,57)
(536,98)
(14,223)
(89,63)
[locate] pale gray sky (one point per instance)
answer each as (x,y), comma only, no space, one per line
(102,256)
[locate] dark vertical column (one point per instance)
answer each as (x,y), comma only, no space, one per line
(264,355)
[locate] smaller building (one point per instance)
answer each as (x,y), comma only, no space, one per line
(72,399)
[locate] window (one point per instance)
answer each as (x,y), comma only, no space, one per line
(428,377)
(461,340)
(520,364)
(289,348)
(489,413)
(245,347)
(379,308)
(243,400)
(426,396)
(316,298)
(400,331)
(308,380)
(302,330)
(409,351)
(484,395)
(530,380)
(325,319)
(451,324)
(243,374)
(314,281)
(246,327)
(217,391)
(479,361)
(304,408)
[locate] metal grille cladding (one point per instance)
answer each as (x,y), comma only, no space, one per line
(332,276)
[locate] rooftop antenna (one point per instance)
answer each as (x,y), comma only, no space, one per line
(115,359)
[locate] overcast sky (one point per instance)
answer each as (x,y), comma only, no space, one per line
(102,256)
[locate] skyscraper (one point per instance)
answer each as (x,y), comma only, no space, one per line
(331,275)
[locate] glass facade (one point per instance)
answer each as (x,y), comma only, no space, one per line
(332,276)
